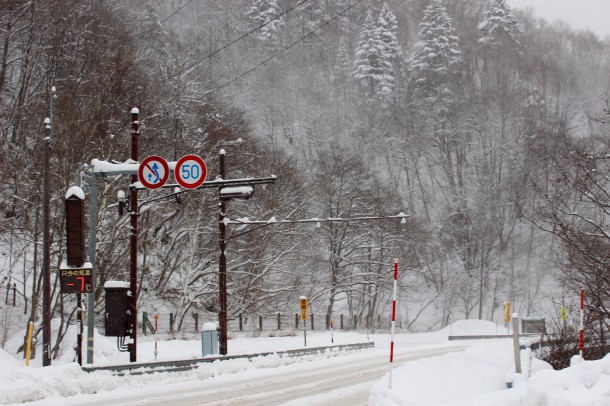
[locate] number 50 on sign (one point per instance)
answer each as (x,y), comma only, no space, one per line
(190,171)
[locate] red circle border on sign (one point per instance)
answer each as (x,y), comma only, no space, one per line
(204,169)
(144,164)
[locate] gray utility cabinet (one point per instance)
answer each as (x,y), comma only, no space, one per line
(209,339)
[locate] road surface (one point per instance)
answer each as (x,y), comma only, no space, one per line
(344,380)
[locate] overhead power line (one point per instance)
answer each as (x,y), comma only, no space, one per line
(176,11)
(200,61)
(289,46)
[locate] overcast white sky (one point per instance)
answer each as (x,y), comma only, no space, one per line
(594,14)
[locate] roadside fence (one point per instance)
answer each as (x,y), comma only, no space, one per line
(254,323)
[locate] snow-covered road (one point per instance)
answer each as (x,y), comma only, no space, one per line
(343,380)
(476,376)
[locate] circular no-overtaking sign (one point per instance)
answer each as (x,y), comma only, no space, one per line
(190,171)
(153,172)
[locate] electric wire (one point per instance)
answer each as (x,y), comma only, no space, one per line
(200,61)
(176,11)
(288,47)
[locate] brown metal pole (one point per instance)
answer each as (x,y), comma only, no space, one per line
(79,332)
(133,240)
(46,251)
(222,262)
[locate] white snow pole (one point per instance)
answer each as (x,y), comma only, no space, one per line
(393,319)
(582,320)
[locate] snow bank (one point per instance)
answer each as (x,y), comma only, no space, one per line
(8,362)
(478,376)
(64,382)
(583,383)
(474,327)
(471,377)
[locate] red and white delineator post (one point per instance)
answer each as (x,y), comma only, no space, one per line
(582,321)
(393,320)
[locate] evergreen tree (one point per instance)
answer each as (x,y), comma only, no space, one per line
(311,16)
(436,57)
(387,26)
(500,25)
(342,62)
(368,69)
(264,12)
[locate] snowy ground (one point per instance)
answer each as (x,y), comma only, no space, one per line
(477,376)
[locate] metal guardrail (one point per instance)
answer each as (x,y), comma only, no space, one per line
(482,337)
(185,365)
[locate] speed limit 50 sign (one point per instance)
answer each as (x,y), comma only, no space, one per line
(190,171)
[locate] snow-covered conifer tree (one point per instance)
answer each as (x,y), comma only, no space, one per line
(436,58)
(342,63)
(311,16)
(367,60)
(387,26)
(500,25)
(265,11)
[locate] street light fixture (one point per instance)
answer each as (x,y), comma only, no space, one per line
(122,201)
(239,192)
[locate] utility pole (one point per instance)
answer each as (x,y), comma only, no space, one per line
(222,261)
(93,180)
(46,250)
(228,190)
(133,239)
